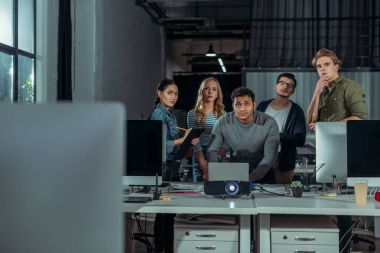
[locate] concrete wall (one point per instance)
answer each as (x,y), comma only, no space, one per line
(117,55)
(47,48)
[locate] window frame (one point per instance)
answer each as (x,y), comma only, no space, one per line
(16,52)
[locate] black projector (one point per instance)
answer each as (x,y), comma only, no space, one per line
(227,188)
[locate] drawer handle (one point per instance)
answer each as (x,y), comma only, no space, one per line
(206,247)
(205,235)
(304,251)
(304,239)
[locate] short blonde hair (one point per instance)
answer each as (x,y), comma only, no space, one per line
(328,53)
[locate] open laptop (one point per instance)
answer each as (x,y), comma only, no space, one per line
(228,172)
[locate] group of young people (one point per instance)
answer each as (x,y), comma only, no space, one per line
(266,135)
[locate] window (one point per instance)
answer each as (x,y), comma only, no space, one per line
(17,51)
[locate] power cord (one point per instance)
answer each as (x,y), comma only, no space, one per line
(262,189)
(355,223)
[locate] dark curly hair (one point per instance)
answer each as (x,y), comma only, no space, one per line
(242,91)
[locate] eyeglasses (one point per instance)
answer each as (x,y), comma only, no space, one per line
(288,85)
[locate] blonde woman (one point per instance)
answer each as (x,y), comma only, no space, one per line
(208,108)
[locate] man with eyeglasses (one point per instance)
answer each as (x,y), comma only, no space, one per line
(252,135)
(291,122)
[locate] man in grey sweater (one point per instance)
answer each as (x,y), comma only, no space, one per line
(252,135)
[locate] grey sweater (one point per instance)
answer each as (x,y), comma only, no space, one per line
(255,143)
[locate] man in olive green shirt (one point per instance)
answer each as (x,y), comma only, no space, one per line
(335,98)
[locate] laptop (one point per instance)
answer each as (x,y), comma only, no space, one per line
(228,172)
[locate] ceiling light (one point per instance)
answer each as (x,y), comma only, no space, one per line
(224,69)
(210,52)
(220,62)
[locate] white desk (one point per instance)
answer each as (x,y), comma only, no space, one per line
(203,204)
(263,205)
(309,204)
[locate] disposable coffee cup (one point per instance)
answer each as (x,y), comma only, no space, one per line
(361,189)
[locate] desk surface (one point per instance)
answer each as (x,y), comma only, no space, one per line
(312,204)
(199,204)
(264,203)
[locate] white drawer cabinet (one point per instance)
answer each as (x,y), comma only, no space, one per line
(206,238)
(277,248)
(205,246)
(300,234)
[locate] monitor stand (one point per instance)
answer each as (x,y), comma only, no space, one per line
(156,193)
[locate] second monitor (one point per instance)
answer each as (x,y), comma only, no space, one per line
(145,152)
(331,152)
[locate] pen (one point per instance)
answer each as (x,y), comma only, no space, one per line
(183,129)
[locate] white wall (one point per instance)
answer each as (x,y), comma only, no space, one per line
(117,54)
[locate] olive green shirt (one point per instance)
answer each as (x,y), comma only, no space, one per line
(345,99)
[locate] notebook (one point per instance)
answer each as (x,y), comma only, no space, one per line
(228,172)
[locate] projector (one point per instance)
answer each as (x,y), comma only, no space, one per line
(227,188)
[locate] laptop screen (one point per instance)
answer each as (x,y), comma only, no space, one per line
(228,172)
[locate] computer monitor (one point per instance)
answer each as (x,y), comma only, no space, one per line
(363,152)
(146,152)
(60,178)
(331,152)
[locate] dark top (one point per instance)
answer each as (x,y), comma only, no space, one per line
(294,135)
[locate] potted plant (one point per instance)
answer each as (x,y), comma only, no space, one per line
(297,188)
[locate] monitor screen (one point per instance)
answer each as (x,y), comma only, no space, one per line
(363,149)
(330,152)
(145,152)
(60,178)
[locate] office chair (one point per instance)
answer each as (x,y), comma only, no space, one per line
(356,239)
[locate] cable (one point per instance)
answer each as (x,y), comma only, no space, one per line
(262,189)
(142,236)
(356,223)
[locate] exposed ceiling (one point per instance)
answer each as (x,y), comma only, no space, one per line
(183,19)
(201,20)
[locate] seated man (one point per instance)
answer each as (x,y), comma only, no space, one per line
(252,135)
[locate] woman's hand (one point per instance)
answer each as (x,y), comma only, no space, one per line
(195,141)
(181,140)
(205,172)
(186,133)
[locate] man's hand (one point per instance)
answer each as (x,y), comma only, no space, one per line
(321,84)
(222,153)
(312,127)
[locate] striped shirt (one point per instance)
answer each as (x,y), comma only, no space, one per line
(204,138)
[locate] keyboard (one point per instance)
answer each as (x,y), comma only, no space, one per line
(136,199)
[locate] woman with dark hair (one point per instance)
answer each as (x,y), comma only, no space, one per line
(167,96)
